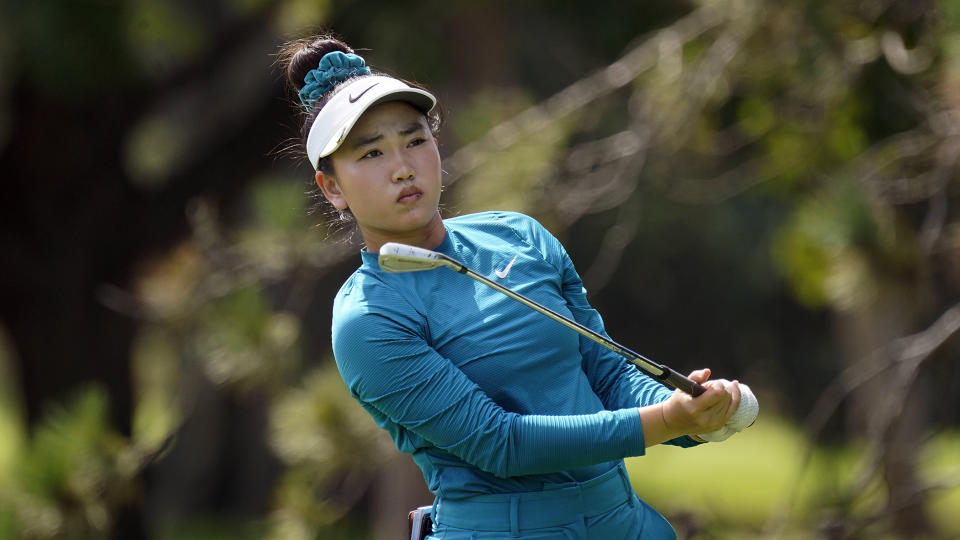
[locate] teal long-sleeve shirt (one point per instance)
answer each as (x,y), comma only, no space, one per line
(488,395)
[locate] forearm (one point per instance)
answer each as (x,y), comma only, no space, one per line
(655,428)
(509,444)
(541,444)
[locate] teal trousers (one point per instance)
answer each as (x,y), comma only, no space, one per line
(602,508)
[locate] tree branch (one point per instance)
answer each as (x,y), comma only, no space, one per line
(910,351)
(581,93)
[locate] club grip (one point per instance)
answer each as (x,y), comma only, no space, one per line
(681,382)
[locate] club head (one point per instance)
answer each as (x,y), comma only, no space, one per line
(400,258)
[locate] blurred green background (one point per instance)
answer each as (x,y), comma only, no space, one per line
(769,189)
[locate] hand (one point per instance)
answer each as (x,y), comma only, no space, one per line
(745,416)
(687,415)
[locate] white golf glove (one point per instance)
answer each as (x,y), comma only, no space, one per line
(745,416)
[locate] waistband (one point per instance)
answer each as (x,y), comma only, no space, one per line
(554,506)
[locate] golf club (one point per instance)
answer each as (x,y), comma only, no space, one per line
(399,258)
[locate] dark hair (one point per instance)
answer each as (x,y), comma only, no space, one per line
(299,56)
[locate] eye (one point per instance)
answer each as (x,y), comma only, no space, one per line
(371,154)
(417,141)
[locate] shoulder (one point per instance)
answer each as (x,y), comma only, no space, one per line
(497,222)
(353,299)
(491,217)
(367,294)
(505,231)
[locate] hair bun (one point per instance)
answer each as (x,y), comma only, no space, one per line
(303,55)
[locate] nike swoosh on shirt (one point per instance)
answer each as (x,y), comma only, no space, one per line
(503,273)
(360,95)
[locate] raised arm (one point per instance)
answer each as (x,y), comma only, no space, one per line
(423,399)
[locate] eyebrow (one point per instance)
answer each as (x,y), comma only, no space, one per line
(412,127)
(366,140)
(409,129)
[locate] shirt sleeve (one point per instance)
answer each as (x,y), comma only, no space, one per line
(384,358)
(616,382)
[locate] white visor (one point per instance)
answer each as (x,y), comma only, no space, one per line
(337,117)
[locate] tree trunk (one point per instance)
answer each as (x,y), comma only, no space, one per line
(399,489)
(885,411)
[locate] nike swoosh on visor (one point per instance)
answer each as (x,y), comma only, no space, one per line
(354,99)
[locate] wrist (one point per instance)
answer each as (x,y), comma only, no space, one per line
(663,417)
(655,428)
(670,426)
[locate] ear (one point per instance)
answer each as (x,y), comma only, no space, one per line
(328,185)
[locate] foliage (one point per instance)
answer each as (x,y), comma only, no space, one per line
(330,446)
(72,477)
(767,186)
(514,179)
(838,247)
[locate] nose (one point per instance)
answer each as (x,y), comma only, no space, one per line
(403,170)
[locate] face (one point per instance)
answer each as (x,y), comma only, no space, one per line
(387,172)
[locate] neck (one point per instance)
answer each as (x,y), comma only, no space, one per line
(428,237)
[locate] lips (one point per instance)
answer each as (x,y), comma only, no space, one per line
(409,195)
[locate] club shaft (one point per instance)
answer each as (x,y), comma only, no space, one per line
(662,373)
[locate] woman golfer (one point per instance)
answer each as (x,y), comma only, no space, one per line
(519,425)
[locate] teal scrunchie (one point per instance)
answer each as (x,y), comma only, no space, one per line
(335,67)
